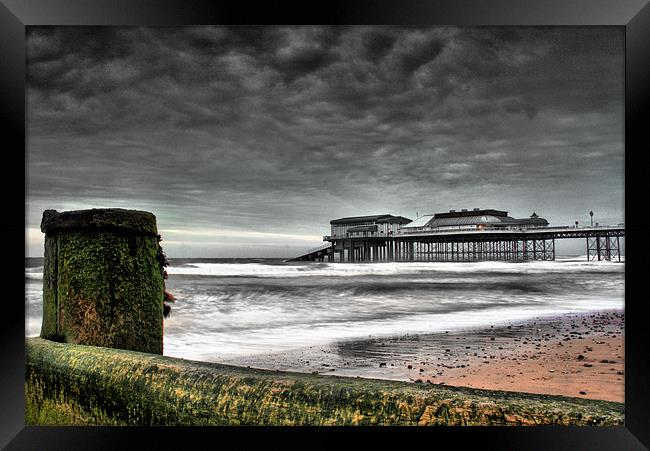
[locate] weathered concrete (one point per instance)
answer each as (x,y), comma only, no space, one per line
(103,279)
(73,384)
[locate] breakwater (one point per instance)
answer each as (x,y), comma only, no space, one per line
(103,279)
(85,385)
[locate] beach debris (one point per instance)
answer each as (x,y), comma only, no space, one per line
(581,357)
(582,392)
(382,365)
(410,367)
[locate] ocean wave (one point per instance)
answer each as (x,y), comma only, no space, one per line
(35,273)
(393,268)
(230,309)
(265,338)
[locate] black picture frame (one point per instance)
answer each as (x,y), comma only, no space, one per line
(633,15)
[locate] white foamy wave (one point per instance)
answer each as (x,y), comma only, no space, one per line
(33,309)
(263,339)
(586,259)
(34,273)
(392,268)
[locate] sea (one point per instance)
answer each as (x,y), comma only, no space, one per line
(231,310)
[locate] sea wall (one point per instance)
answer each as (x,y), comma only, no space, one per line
(76,384)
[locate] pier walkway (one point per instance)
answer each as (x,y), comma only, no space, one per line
(320,253)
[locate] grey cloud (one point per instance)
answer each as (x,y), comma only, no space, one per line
(282,128)
(377,43)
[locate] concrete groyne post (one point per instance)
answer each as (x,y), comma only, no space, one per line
(103,279)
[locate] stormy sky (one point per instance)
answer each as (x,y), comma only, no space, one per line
(246,141)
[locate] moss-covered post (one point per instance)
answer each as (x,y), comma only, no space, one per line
(103,279)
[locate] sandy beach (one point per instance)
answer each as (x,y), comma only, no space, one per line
(576,355)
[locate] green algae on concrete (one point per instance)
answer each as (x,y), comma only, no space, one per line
(74,384)
(103,279)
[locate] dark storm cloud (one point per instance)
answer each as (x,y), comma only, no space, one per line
(377,42)
(282,128)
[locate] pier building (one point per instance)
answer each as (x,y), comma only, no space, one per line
(474,219)
(367,226)
(465,235)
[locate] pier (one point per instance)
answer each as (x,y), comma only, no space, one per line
(476,235)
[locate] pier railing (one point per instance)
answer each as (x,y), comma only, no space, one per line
(319,248)
(454,230)
(502,230)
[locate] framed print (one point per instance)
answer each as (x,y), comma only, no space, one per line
(357,214)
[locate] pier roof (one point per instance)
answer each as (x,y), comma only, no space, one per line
(471,220)
(474,217)
(379,219)
(421,221)
(474,212)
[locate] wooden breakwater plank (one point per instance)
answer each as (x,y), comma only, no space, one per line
(75,384)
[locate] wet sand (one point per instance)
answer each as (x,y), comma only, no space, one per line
(576,355)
